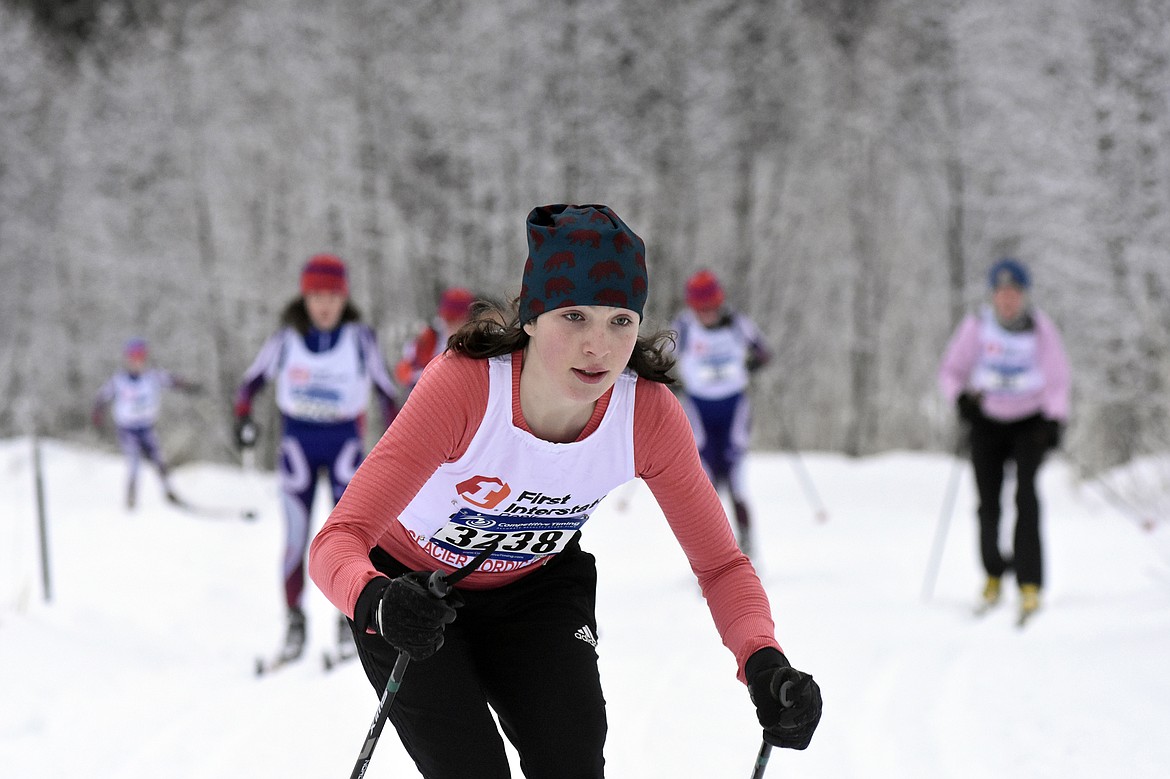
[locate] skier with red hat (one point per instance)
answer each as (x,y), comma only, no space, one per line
(454,311)
(324,362)
(718,349)
(134,396)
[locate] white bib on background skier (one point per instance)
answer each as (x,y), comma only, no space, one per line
(137,400)
(328,386)
(712,362)
(1008,363)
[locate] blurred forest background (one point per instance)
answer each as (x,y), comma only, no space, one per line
(850,168)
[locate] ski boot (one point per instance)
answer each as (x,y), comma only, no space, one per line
(294,637)
(743,527)
(991,592)
(164,473)
(294,644)
(1029,601)
(745,542)
(346,648)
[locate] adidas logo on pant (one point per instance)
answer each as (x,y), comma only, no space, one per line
(586,635)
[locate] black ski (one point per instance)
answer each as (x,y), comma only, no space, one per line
(211,512)
(331,659)
(983,608)
(265,666)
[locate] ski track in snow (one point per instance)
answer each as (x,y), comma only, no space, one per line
(143,663)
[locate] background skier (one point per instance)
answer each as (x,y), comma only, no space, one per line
(718,349)
(324,362)
(454,309)
(135,396)
(1006,371)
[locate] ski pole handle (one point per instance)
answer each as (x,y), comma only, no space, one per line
(766,748)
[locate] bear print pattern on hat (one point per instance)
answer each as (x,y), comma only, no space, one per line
(581,256)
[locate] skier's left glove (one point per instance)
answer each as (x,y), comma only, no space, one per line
(247,432)
(405,613)
(788,702)
(754,361)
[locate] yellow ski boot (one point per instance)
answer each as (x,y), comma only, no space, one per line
(991,593)
(1029,601)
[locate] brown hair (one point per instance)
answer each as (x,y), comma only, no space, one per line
(296,315)
(493,330)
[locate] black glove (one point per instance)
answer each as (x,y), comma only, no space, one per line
(1053,433)
(968,405)
(247,432)
(405,613)
(788,702)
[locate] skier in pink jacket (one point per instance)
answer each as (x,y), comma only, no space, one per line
(1006,371)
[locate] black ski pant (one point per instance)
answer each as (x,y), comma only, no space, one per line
(993,444)
(526,651)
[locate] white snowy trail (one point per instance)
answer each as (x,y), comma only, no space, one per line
(142,665)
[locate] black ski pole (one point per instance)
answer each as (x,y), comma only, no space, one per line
(375,731)
(762,760)
(439,585)
(766,748)
(944,518)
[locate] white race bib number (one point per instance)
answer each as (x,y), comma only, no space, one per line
(515,537)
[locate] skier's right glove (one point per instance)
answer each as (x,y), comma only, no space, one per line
(247,432)
(968,407)
(1053,432)
(405,613)
(788,702)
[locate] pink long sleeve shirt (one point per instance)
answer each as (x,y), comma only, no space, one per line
(435,426)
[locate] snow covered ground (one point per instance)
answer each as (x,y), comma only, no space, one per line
(141,666)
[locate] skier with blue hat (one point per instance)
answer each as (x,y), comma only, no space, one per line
(1006,371)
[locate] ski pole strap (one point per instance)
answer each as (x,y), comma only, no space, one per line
(786,701)
(440,583)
